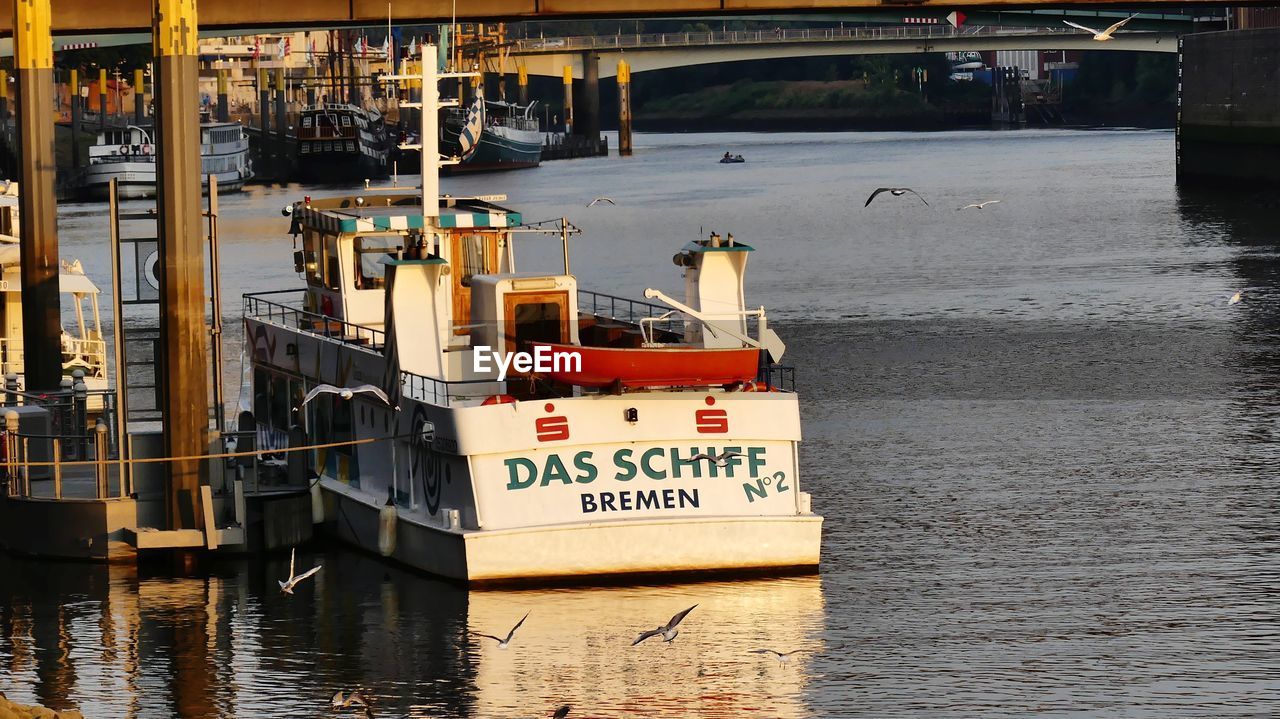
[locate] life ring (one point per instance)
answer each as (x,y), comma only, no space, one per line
(754,386)
(498,399)
(146,149)
(124,149)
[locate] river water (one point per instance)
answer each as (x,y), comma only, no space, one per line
(1043,442)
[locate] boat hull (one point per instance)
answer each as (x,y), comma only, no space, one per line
(582,552)
(500,148)
(137,181)
(339,167)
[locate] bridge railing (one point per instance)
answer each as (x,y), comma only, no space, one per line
(780,35)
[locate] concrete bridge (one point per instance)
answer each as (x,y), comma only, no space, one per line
(660,51)
(107,16)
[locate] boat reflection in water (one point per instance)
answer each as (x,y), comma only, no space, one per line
(113,642)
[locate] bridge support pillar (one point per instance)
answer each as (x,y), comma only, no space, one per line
(38,242)
(568,99)
(589,116)
(184,338)
(139,96)
(224,110)
(4,95)
(102,98)
(624,109)
(73,94)
(522,81)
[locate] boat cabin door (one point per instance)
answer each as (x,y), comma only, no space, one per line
(536,316)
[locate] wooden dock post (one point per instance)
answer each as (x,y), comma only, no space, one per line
(184,364)
(624,109)
(41,320)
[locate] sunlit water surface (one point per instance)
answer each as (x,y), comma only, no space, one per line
(1043,442)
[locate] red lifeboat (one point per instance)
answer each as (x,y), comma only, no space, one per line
(656,366)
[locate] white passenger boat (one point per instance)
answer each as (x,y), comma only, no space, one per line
(83,346)
(128,155)
(582,459)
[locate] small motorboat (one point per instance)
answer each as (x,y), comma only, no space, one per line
(730,159)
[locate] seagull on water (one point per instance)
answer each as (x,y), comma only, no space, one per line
(896,192)
(599,200)
(346,392)
(667,631)
(720,460)
(504,643)
(1101,35)
(562,712)
(979,205)
(287,586)
(1235,299)
(783,657)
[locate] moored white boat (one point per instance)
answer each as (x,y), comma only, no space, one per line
(128,155)
(533,433)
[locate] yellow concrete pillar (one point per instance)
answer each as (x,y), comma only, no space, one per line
(184,337)
(38,245)
(568,99)
(624,108)
(139,96)
(522,80)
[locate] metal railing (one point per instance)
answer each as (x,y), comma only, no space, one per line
(313,323)
(625,309)
(443,393)
(788,35)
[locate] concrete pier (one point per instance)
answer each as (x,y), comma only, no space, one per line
(1229,107)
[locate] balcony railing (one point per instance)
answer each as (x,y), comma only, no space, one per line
(278,313)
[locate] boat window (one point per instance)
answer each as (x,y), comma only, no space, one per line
(306,121)
(473,257)
(371,250)
(280,409)
(261,394)
(311,257)
(346,121)
(332,272)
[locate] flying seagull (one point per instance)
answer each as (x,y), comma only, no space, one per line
(667,631)
(1235,299)
(783,657)
(979,205)
(562,712)
(720,460)
(1101,35)
(599,200)
(896,192)
(346,392)
(288,585)
(504,643)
